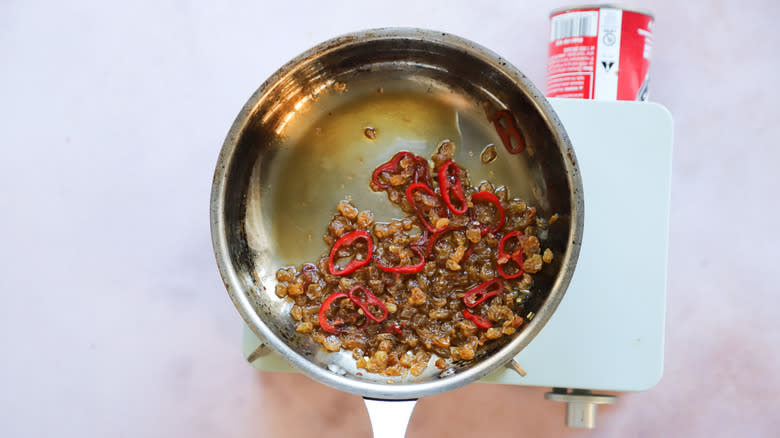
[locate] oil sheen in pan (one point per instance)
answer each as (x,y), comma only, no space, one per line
(326,156)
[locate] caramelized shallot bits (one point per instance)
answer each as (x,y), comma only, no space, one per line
(438,285)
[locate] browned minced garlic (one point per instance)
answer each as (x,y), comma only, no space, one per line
(488,154)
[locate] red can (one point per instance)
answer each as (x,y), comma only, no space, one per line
(599,52)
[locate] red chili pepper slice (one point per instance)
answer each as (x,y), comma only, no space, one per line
(469,251)
(478,320)
(390,166)
(407,269)
(422,239)
(354,264)
(486,290)
(394,328)
(437,235)
(509,132)
(324,323)
(452,184)
(421,170)
(516,256)
(371,299)
(493,199)
(414,187)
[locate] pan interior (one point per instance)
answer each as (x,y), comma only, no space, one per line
(304,147)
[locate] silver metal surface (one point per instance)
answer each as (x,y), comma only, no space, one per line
(389,418)
(252,239)
(581,405)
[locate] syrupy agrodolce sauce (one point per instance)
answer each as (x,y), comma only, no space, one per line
(443,281)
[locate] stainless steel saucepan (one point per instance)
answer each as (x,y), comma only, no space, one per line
(313,133)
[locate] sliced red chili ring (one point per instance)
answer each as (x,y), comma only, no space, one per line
(323,318)
(437,235)
(395,328)
(503,273)
(390,166)
(364,304)
(478,320)
(406,269)
(508,132)
(516,256)
(421,169)
(354,264)
(469,251)
(493,199)
(414,187)
(452,184)
(486,290)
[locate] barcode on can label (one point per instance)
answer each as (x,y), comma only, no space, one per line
(599,53)
(574,25)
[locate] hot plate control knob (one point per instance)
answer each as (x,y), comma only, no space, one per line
(581,405)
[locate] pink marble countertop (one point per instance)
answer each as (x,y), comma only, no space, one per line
(113,319)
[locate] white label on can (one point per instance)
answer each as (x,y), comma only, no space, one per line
(608,54)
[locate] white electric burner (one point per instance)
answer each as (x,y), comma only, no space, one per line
(608,332)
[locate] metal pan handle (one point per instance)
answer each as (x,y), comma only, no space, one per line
(389,418)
